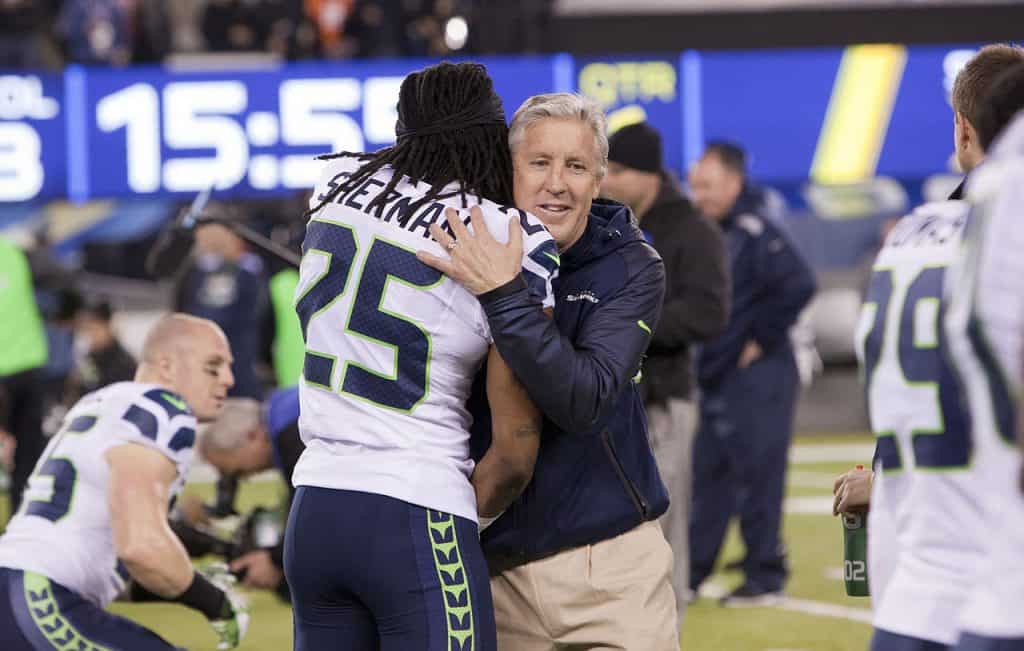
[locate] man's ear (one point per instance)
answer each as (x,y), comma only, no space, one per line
(965,133)
(166,364)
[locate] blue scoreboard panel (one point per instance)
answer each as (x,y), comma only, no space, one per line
(832,115)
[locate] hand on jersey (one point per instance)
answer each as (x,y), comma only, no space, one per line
(259,570)
(852,491)
(477,261)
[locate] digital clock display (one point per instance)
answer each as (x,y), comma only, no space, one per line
(833,115)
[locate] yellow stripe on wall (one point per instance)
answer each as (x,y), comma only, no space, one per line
(858,113)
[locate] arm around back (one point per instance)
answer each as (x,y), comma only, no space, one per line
(507,466)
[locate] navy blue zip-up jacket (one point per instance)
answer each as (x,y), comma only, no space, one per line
(771,284)
(595,476)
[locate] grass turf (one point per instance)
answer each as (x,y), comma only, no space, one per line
(815,552)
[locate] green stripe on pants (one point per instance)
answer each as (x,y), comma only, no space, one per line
(458,606)
(48,619)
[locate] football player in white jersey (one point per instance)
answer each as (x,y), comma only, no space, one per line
(927,490)
(382,548)
(985,325)
(95,512)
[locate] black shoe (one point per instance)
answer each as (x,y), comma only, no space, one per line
(750,595)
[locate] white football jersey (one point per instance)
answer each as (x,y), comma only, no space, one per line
(985,326)
(392,346)
(62,529)
(927,490)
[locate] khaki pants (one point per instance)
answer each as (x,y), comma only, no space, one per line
(615,594)
(672,426)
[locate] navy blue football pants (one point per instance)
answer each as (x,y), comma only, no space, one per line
(37,614)
(739,467)
(883,640)
(972,642)
(370,572)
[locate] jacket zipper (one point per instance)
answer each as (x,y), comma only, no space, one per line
(638,501)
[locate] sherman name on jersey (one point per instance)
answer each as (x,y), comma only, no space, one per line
(926,494)
(63,530)
(392,346)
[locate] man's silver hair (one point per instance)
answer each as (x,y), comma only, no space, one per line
(230,431)
(562,106)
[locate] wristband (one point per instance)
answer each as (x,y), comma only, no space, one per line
(205,597)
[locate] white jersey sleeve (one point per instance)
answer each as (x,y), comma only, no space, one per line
(63,530)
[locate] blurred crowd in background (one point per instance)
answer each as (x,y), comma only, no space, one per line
(51,33)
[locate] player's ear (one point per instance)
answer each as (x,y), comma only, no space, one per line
(965,133)
(167,365)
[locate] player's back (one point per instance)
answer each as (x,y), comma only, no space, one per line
(392,346)
(926,489)
(63,529)
(985,326)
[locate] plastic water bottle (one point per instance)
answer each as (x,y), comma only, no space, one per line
(855,553)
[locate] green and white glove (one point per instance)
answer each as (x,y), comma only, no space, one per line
(233,622)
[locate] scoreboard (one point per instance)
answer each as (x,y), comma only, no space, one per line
(162,132)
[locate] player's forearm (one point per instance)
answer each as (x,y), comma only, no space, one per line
(159,563)
(498,482)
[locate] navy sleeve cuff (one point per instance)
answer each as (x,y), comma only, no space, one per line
(513,286)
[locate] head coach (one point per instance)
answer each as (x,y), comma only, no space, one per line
(578,561)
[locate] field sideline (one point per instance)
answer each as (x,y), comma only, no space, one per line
(817,615)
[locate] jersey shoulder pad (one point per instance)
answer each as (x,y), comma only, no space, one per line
(145,413)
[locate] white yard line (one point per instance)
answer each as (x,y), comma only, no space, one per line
(830,452)
(715,590)
(811,479)
(814,505)
(823,609)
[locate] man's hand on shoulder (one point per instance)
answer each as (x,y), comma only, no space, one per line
(476,261)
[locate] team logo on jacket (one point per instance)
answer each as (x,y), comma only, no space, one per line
(585,295)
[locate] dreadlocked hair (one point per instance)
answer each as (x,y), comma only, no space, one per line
(477,156)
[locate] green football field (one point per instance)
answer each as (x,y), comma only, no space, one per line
(816,616)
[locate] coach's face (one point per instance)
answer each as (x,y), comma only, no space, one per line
(557,175)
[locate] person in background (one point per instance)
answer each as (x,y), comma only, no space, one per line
(749,380)
(97,515)
(100,32)
(985,308)
(24,31)
(696,308)
(852,489)
(100,357)
(227,284)
(249,438)
(24,351)
(939,406)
